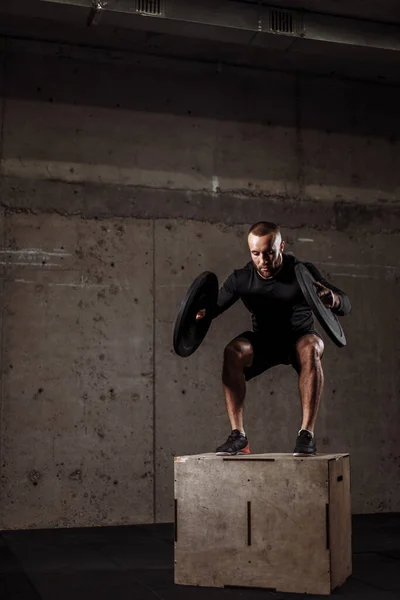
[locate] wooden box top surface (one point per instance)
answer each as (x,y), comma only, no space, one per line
(260,457)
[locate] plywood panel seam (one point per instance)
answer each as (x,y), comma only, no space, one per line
(236,459)
(176,520)
(328,516)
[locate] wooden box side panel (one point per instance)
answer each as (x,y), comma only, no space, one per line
(340,520)
(253,524)
(288,549)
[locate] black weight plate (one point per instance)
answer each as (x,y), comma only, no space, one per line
(325,316)
(189,333)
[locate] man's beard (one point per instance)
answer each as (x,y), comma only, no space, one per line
(273,269)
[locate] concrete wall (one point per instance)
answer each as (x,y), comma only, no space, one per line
(122,178)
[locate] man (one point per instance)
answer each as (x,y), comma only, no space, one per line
(283,333)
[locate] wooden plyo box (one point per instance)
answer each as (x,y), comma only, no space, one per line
(263,520)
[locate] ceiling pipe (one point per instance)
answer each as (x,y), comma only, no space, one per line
(240,22)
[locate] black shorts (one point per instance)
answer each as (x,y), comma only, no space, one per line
(267,354)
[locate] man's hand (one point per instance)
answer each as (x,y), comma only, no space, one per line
(201,314)
(328,298)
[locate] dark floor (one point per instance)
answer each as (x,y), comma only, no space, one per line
(136,563)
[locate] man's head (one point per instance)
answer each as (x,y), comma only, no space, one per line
(266,247)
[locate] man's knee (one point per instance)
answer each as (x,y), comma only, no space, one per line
(310,347)
(238,353)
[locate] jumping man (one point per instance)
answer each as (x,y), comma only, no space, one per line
(283,333)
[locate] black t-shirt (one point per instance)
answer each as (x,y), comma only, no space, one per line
(277,304)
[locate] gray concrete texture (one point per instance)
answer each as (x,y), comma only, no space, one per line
(122,178)
(77,382)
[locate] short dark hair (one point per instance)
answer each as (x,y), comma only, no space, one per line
(264,228)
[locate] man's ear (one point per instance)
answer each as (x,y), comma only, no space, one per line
(282,245)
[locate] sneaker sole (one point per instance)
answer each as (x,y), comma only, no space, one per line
(304,454)
(231,453)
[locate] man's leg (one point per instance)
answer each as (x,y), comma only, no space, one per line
(238,355)
(309,349)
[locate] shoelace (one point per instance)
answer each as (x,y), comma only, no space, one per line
(305,435)
(233,437)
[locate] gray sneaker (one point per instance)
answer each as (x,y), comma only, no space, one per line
(237,443)
(305,444)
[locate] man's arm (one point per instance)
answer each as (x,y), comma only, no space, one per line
(228,295)
(344,306)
